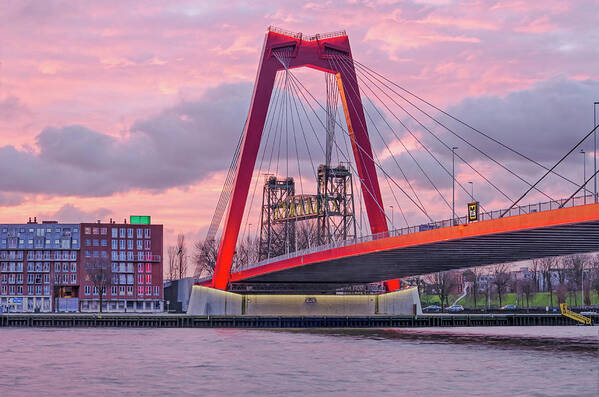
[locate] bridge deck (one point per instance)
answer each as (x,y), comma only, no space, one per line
(556,232)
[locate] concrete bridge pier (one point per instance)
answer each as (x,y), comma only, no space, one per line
(208,301)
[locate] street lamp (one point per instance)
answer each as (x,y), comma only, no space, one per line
(453,149)
(471,190)
(595,149)
(584,175)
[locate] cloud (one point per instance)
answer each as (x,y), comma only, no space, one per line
(543,121)
(11,199)
(176,147)
(69,213)
(11,107)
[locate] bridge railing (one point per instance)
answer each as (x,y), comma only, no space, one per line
(485,216)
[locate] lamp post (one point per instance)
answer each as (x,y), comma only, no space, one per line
(584,175)
(471,190)
(453,149)
(595,150)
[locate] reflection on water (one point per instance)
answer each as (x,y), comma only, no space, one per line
(580,339)
(510,361)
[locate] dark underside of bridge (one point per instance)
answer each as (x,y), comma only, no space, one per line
(440,256)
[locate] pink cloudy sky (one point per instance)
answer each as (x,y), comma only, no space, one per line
(109,108)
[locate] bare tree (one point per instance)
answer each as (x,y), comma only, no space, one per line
(442,283)
(100,274)
(172,262)
(501,280)
(204,257)
(473,275)
(527,288)
(535,271)
(181,257)
(547,266)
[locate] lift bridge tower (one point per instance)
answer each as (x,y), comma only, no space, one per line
(322,218)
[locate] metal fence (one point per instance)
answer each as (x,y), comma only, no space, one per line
(485,216)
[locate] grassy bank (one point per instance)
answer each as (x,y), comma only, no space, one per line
(539,299)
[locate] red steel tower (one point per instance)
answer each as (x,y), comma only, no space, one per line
(315,52)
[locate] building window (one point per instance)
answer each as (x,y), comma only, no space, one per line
(94,291)
(46,278)
(156,290)
(65,266)
(140,279)
(149,291)
(38,290)
(29,289)
(103,231)
(129,244)
(88,254)
(140,244)
(130,279)
(19,290)
(148,268)
(140,267)
(73,279)
(140,291)
(122,232)
(123,279)
(121,290)
(140,233)
(115,244)
(87,230)
(147,244)
(30,278)
(87,290)
(129,290)
(104,243)
(129,267)
(65,278)
(74,267)
(96,254)
(46,266)
(115,267)
(129,233)
(96,242)
(148,279)
(73,255)
(122,245)
(20,278)
(30,266)
(115,232)
(113,290)
(148,233)
(56,278)
(115,255)
(46,290)
(96,230)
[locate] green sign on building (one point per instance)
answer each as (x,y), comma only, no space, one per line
(139,219)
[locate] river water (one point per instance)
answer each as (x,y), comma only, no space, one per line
(508,361)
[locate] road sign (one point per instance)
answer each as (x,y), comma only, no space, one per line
(473,211)
(15,301)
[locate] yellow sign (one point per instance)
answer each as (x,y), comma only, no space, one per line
(473,211)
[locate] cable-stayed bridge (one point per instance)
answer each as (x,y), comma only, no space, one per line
(307,173)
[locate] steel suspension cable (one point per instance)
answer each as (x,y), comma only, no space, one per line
(466,124)
(346,68)
(364,84)
(303,88)
(472,146)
